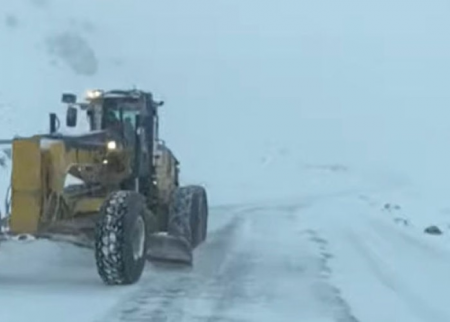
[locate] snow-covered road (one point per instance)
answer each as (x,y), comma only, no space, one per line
(257,265)
(298,261)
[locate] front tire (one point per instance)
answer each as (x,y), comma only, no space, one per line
(121,239)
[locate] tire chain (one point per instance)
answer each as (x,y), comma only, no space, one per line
(109,238)
(179,221)
(180,215)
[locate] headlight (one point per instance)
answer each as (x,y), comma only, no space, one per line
(112,145)
(93,94)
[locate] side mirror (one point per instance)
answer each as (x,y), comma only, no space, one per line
(71,116)
(54,123)
(68,98)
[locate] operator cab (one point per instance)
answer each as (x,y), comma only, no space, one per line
(118,119)
(121,113)
(118,115)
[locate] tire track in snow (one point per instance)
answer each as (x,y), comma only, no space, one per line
(252,269)
(169,288)
(327,291)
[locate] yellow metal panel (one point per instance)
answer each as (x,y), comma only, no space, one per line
(88,205)
(26,203)
(57,166)
(61,159)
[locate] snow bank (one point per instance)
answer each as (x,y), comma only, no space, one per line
(46,281)
(386,272)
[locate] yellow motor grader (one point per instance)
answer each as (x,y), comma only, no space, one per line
(114,188)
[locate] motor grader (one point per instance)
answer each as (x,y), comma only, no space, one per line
(114,188)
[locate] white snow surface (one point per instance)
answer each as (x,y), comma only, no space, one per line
(327,257)
(320,129)
(384,270)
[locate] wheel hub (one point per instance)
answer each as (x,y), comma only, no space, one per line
(138,238)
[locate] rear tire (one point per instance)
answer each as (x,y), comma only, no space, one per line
(188,214)
(121,238)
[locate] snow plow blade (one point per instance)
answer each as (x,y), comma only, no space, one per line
(167,248)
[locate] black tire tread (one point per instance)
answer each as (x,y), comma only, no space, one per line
(110,238)
(181,224)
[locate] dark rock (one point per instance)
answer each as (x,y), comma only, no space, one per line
(433,230)
(402,221)
(391,207)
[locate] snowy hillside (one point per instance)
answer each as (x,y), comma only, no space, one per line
(320,82)
(320,128)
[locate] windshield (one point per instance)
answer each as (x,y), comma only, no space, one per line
(116,111)
(121,119)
